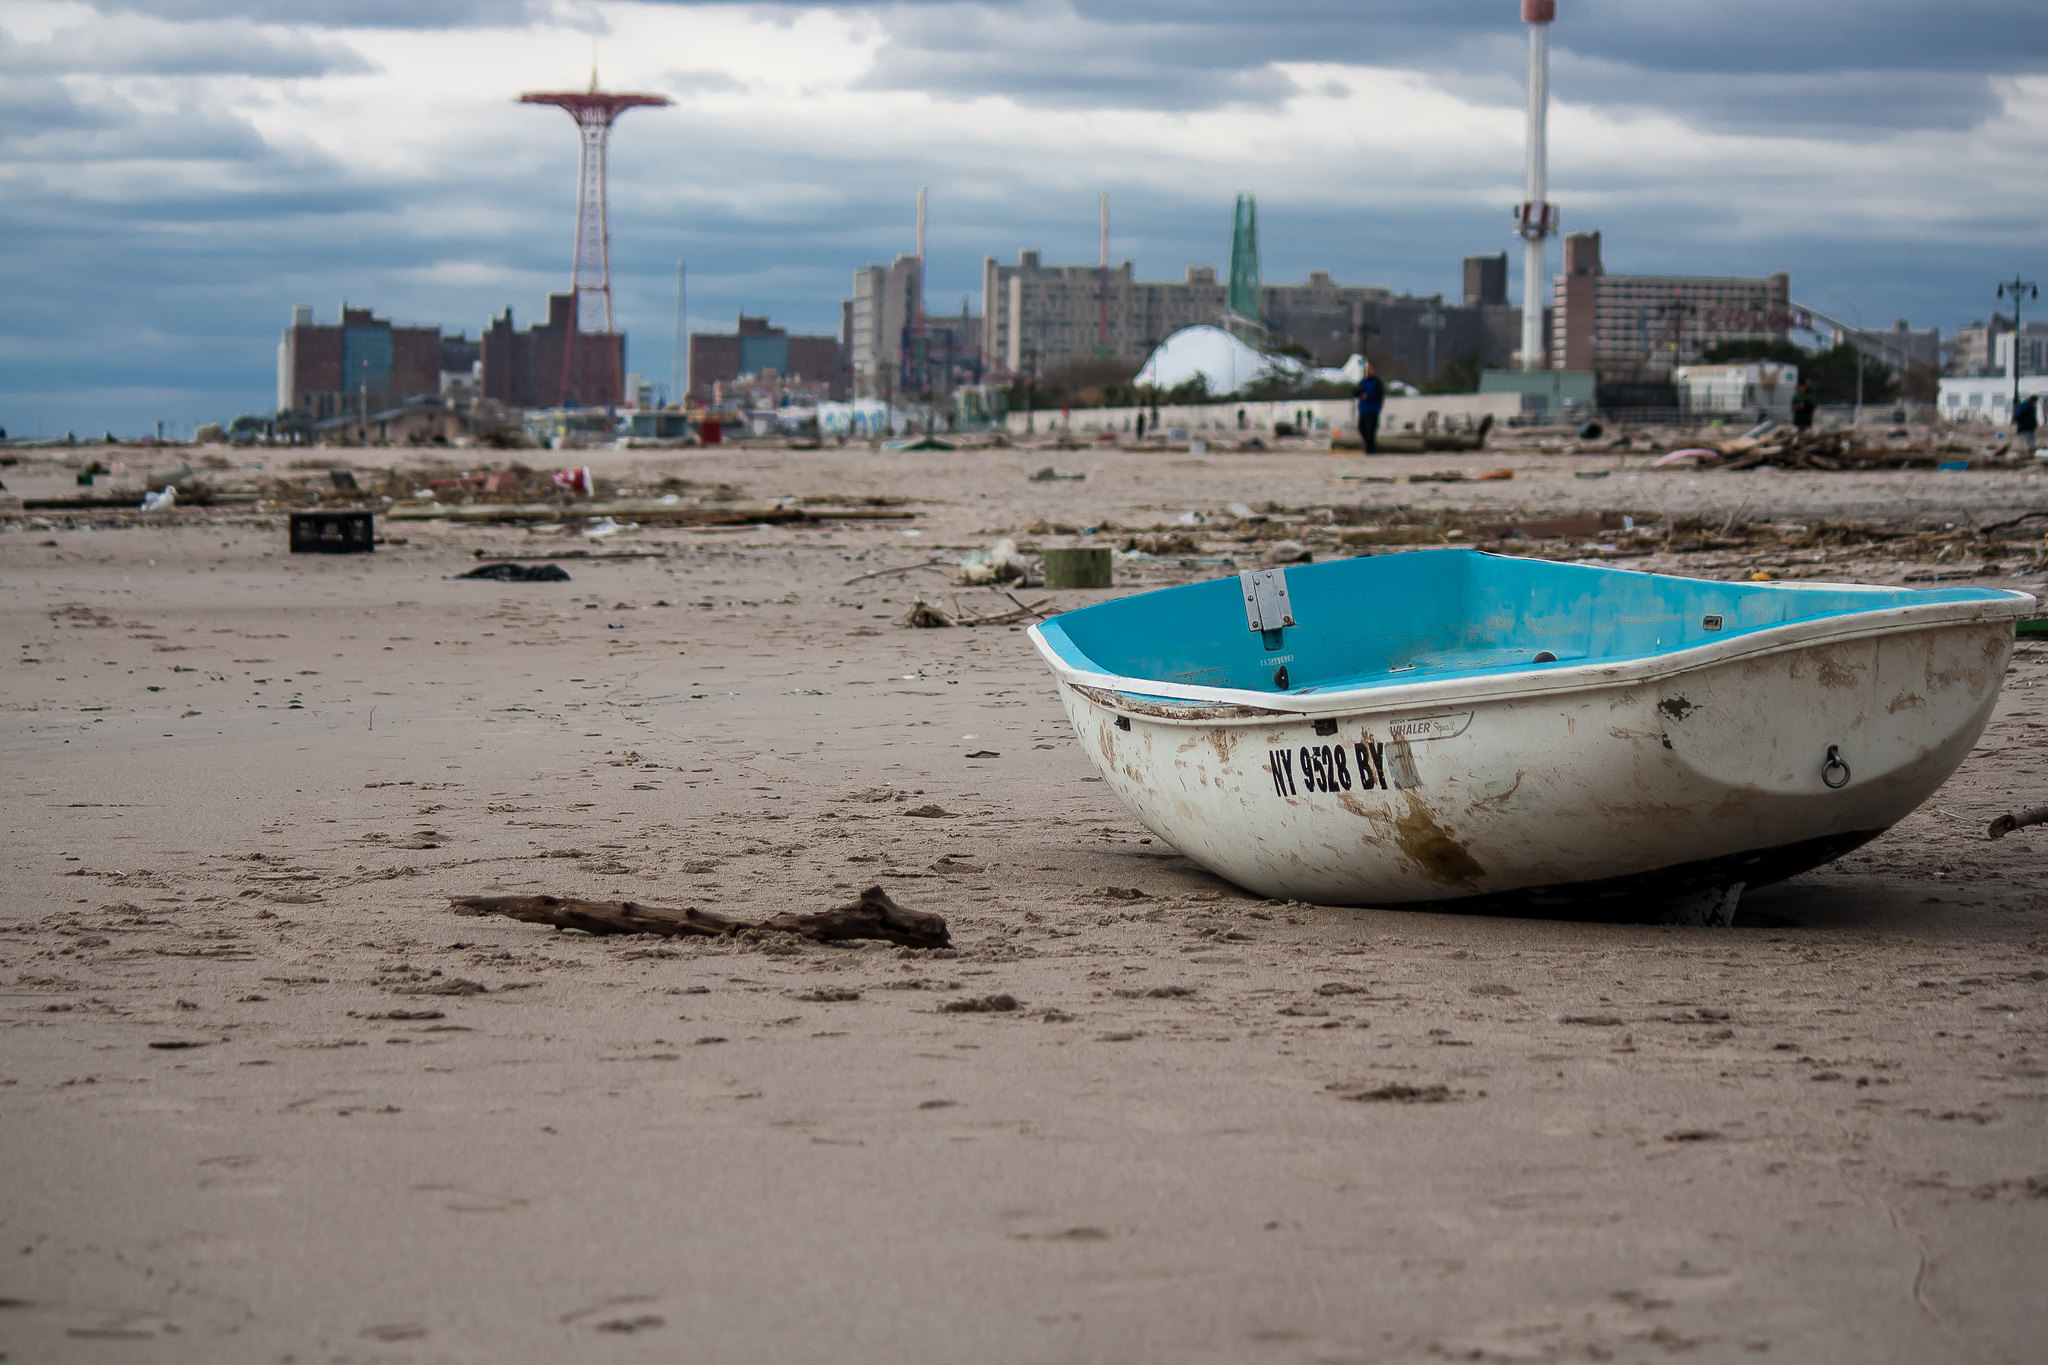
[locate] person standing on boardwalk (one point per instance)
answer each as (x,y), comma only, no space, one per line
(2025,418)
(1372,400)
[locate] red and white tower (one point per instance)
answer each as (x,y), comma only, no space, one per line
(591,278)
(1536,216)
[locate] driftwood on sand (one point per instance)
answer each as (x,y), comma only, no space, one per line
(2019,819)
(874,915)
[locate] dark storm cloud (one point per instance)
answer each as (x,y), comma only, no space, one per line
(148,47)
(1743,64)
(401,14)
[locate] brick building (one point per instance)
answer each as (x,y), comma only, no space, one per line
(525,369)
(753,348)
(326,370)
(1644,326)
(1037,317)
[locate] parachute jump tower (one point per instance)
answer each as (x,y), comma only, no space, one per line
(591,276)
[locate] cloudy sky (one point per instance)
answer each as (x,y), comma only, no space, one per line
(176,174)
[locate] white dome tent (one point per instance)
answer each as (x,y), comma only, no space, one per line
(1230,365)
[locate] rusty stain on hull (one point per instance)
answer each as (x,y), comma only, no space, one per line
(1831,671)
(1431,848)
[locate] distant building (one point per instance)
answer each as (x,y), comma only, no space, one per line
(1986,398)
(2031,344)
(1037,318)
(1757,387)
(1644,326)
(526,369)
(1561,393)
(1407,336)
(1976,344)
(759,390)
(753,348)
(1486,280)
(362,362)
(877,318)
(1898,348)
(1986,348)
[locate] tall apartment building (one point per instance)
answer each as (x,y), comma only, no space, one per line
(323,370)
(1643,326)
(877,318)
(1486,280)
(1038,317)
(1986,348)
(2031,342)
(526,369)
(755,348)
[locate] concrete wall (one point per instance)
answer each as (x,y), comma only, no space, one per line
(1452,409)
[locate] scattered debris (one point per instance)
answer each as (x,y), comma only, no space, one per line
(874,916)
(1049,475)
(1000,563)
(2019,819)
(927,615)
(645,511)
(586,556)
(980,1004)
(332,533)
(1393,1092)
(900,568)
(1690,458)
(454,985)
(1556,528)
(506,571)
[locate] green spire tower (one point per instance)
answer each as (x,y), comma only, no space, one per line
(1245,313)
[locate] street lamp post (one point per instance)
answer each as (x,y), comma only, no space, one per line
(1856,346)
(2018,289)
(1432,321)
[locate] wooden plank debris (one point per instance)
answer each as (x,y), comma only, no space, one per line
(874,916)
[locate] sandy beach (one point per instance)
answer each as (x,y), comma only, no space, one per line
(267,1098)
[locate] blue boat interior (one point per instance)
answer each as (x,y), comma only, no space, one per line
(1387,620)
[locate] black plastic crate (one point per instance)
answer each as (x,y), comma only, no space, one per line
(333,533)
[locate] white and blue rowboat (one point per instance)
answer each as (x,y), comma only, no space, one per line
(1459,730)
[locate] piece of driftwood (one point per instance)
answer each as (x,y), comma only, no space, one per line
(874,916)
(930,615)
(2019,819)
(946,564)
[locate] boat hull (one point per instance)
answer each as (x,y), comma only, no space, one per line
(1677,787)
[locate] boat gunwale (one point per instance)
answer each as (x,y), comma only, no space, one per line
(1535,682)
